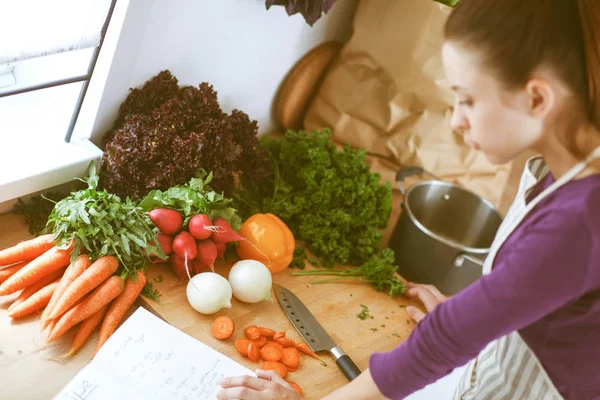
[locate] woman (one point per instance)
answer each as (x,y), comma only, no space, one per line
(526,74)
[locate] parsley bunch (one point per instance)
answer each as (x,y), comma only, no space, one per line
(328,197)
(379,271)
(105,225)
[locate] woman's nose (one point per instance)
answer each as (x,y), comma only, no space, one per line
(459,122)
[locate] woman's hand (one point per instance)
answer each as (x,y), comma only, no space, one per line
(268,385)
(429,295)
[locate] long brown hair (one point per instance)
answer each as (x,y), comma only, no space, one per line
(515,37)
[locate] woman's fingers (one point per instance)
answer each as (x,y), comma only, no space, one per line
(241,393)
(426,297)
(415,313)
(272,376)
(244,381)
(435,292)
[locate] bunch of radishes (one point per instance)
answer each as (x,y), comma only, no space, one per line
(194,248)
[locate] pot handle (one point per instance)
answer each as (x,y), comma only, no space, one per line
(462,257)
(410,171)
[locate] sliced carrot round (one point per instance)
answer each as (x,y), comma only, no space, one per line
(278,335)
(295,386)
(241,344)
(276,344)
(285,341)
(223,327)
(261,341)
(252,332)
(290,357)
(270,353)
(276,366)
(266,332)
(254,352)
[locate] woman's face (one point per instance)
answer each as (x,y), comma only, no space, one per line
(493,120)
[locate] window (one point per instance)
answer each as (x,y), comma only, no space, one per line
(43,43)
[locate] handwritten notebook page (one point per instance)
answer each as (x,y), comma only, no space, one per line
(146,358)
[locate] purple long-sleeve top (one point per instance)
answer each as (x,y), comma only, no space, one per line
(545,284)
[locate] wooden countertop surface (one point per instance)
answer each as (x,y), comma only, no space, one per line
(31,369)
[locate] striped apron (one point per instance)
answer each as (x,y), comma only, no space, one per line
(507,369)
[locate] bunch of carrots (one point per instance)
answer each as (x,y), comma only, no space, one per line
(82,292)
(272,350)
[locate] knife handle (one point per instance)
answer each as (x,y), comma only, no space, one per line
(348,367)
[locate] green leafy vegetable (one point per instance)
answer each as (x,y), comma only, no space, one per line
(150,292)
(378,271)
(105,225)
(364,313)
(450,3)
(328,197)
(195,197)
(299,257)
(37,210)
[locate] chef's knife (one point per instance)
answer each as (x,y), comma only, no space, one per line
(312,332)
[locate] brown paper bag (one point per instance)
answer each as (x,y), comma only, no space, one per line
(387,93)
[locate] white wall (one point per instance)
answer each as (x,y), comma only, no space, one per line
(238,46)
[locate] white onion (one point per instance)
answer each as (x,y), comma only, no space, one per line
(251,281)
(209,292)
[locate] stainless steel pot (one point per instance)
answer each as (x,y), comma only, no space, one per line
(443,234)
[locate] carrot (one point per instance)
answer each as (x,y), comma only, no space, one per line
(73,271)
(36,301)
(253,352)
(270,353)
(84,331)
(290,357)
(27,250)
(223,327)
(119,308)
(101,296)
(260,342)
(97,273)
(241,344)
(52,260)
(304,348)
(278,335)
(295,386)
(266,332)
(28,291)
(274,365)
(285,341)
(252,332)
(9,271)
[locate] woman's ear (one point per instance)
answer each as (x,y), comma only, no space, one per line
(541,98)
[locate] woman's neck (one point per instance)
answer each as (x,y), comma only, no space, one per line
(561,158)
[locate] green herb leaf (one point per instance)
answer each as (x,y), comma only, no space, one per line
(104,225)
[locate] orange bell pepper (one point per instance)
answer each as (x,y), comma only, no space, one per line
(268,240)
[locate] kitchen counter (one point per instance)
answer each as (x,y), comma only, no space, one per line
(32,370)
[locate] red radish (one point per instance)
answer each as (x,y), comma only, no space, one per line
(168,221)
(179,267)
(207,254)
(200,226)
(184,245)
(166,242)
(224,232)
(221,247)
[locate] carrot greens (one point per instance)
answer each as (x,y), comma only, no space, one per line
(104,224)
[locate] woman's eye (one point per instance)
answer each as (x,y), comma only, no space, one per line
(467,103)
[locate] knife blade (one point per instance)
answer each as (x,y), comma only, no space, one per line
(311,330)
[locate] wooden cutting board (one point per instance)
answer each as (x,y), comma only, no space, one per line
(335,305)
